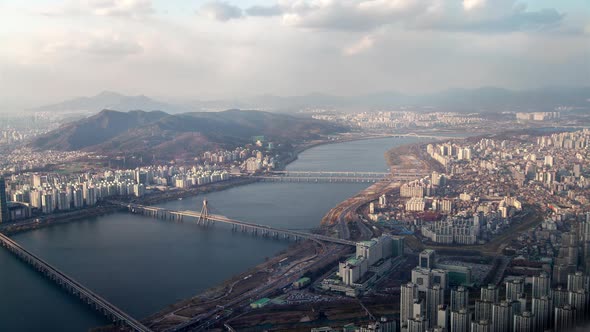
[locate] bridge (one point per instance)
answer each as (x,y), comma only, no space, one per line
(338,176)
(113,313)
(205,218)
(423,136)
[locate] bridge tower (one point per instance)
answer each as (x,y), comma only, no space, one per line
(204,217)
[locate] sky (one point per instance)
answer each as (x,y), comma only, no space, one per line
(51,50)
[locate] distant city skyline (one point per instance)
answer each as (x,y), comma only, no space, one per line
(55,50)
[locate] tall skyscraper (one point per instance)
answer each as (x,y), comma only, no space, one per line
(490,293)
(541,285)
(459,298)
(409,292)
(427,259)
(460,320)
(3,201)
(524,322)
(565,318)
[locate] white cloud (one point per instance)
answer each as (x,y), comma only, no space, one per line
(360,46)
(113,8)
(100,43)
(220,11)
(294,47)
(472,4)
(467,16)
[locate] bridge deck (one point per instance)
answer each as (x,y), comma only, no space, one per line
(76,288)
(234,222)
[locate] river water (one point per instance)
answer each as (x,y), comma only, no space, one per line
(142,264)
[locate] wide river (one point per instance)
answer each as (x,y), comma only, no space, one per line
(142,264)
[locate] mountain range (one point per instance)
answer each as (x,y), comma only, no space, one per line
(157,133)
(111,101)
(486,99)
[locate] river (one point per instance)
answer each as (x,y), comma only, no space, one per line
(142,264)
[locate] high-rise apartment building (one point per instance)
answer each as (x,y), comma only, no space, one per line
(434,298)
(460,320)
(501,316)
(542,309)
(409,292)
(524,322)
(459,298)
(490,293)
(514,288)
(3,202)
(481,326)
(541,285)
(565,318)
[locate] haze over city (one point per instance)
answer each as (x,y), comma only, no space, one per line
(295,165)
(186,50)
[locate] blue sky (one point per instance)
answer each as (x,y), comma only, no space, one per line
(56,49)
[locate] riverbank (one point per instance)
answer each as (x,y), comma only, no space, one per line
(137,237)
(104,208)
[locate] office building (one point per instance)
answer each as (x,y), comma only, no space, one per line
(397,245)
(424,278)
(427,259)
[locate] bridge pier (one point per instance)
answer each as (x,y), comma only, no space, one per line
(71,286)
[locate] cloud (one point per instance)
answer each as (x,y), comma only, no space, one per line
(113,8)
(471,4)
(360,46)
(275,10)
(103,44)
(220,11)
(475,16)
